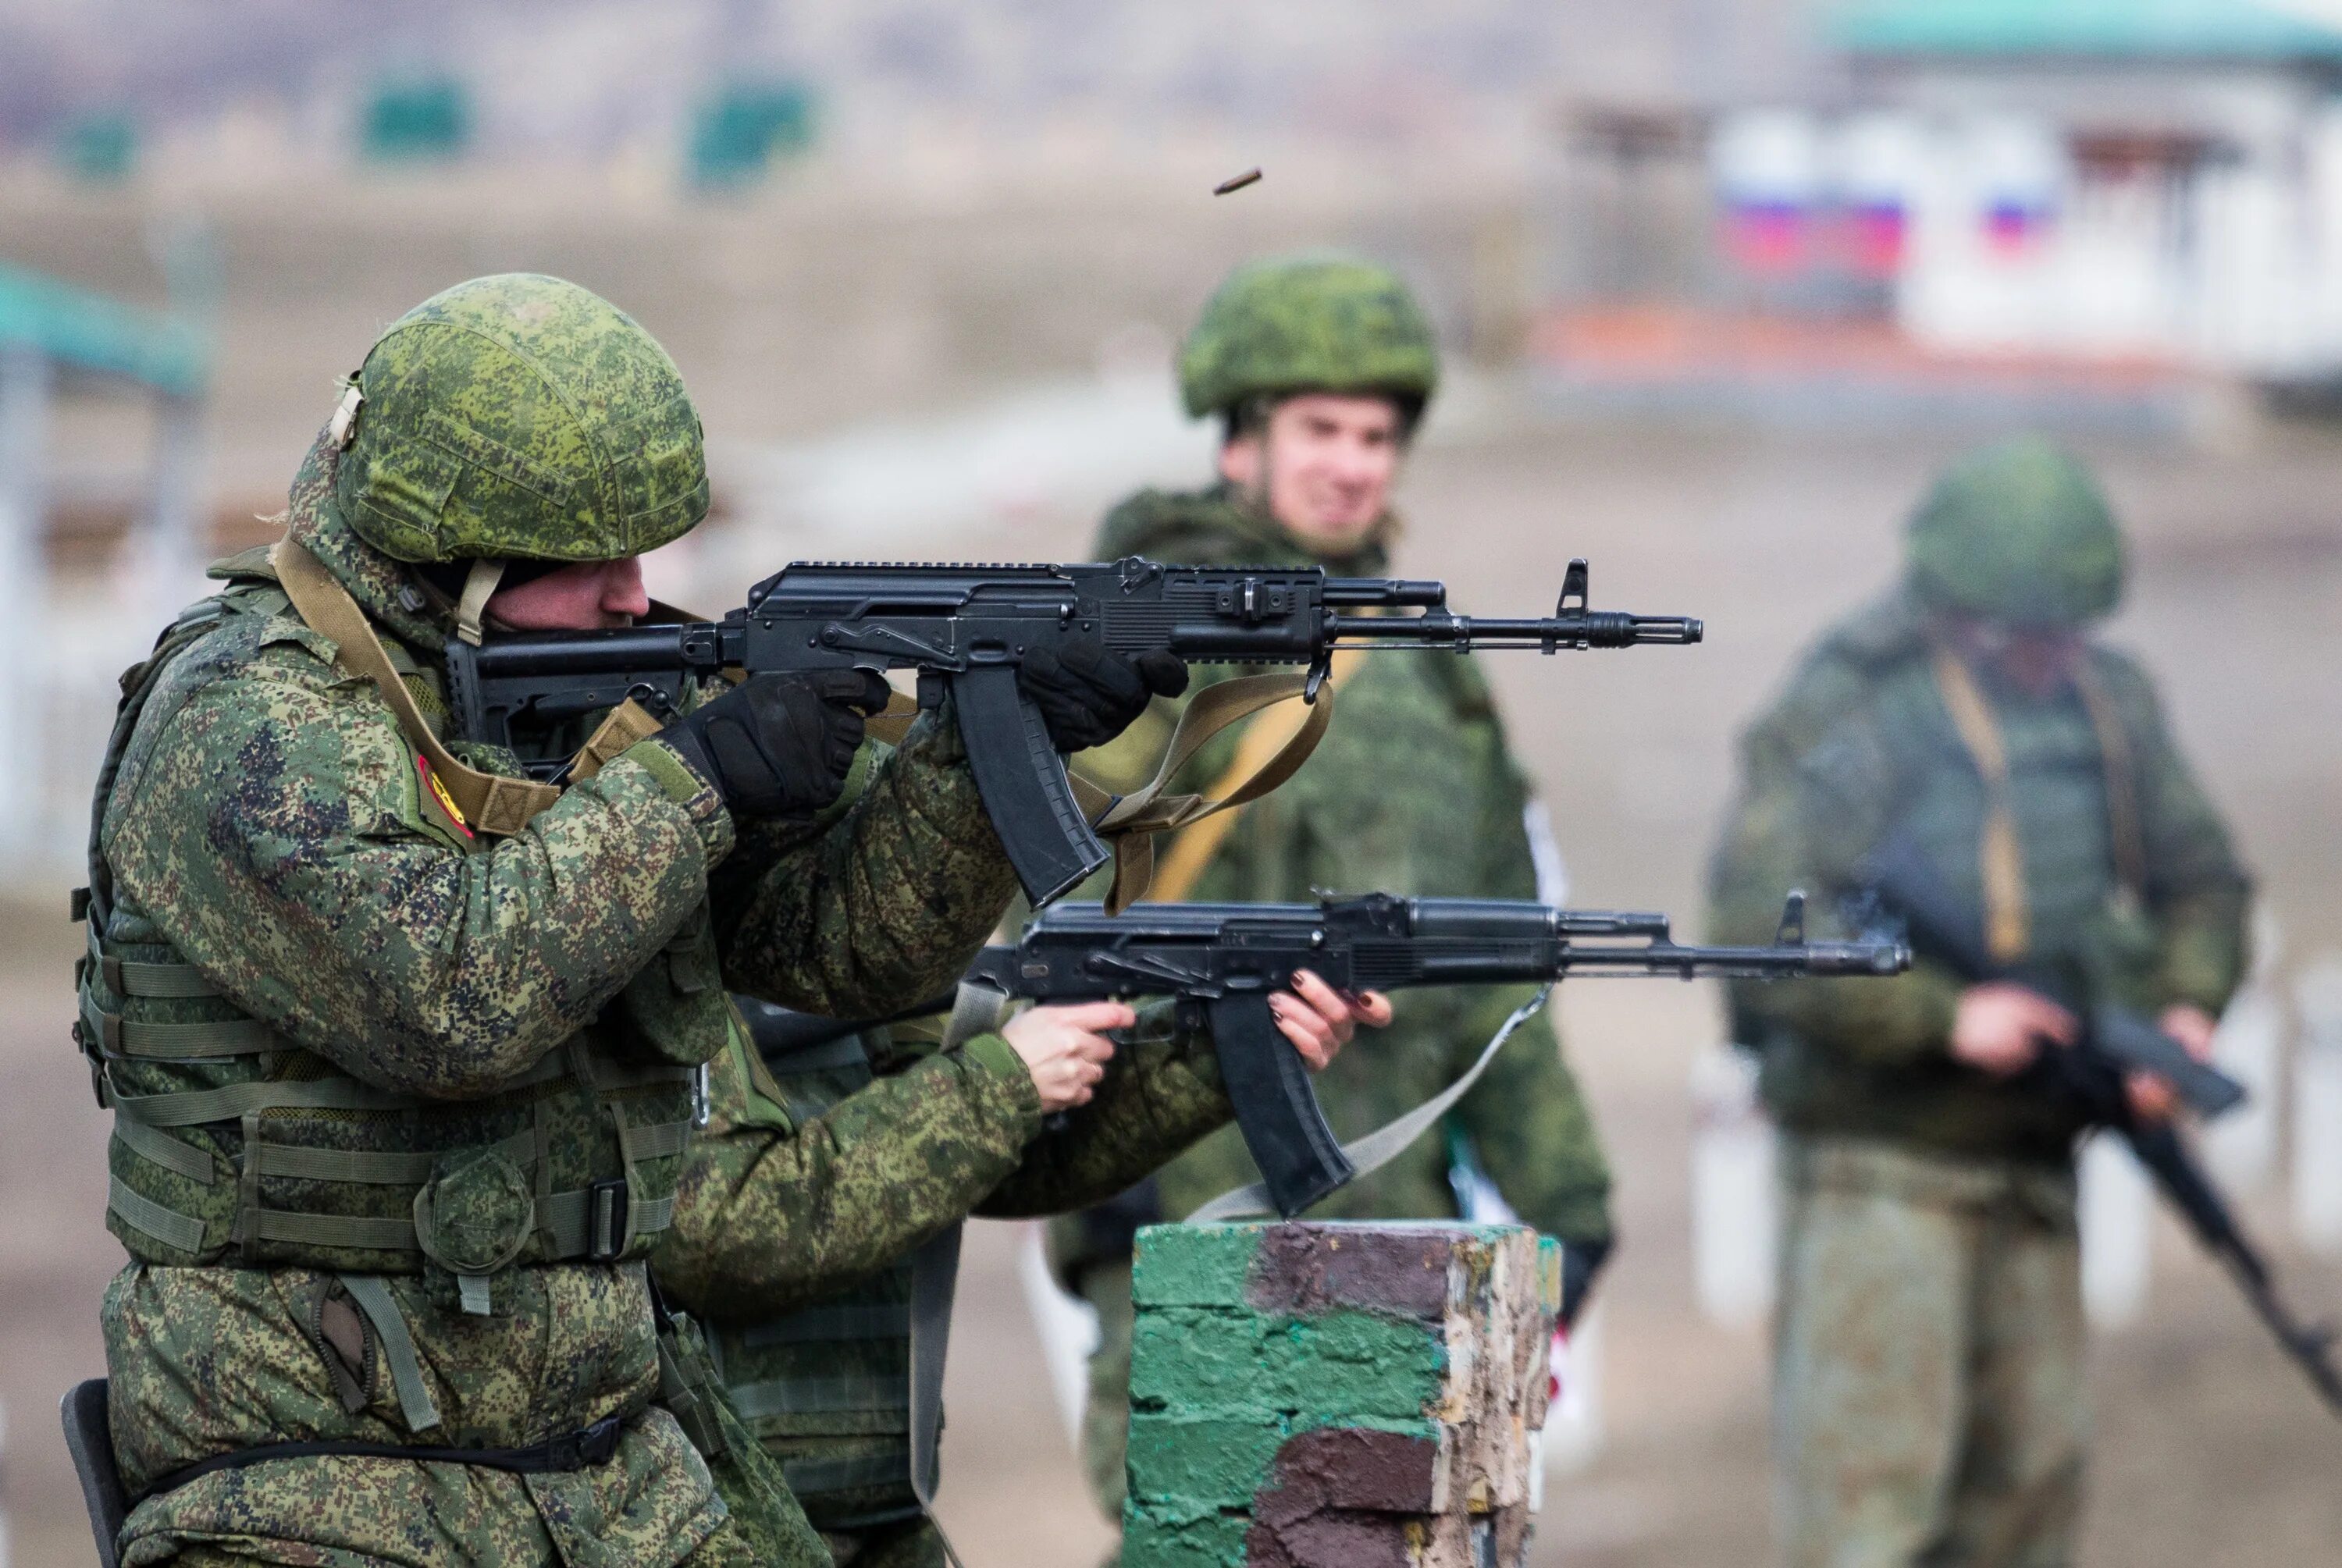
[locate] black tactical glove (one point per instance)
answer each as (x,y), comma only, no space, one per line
(1580,1263)
(1087,696)
(779,745)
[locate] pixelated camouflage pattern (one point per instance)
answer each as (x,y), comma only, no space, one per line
(1319,321)
(269,828)
(1930,1400)
(521,416)
(2020,534)
(207,1360)
(786,1198)
(1859,744)
(811,1189)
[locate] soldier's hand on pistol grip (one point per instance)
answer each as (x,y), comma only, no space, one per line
(779,745)
(1087,694)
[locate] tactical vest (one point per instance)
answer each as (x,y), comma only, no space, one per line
(827,1388)
(234,1145)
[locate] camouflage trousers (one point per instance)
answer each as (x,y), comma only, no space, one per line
(1106,1417)
(1928,1380)
(213,1361)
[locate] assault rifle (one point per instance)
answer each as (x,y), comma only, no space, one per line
(1900,882)
(1223,961)
(966,629)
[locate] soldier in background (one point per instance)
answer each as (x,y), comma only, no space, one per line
(1929,1402)
(1319,368)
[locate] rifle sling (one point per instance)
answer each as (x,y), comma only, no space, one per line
(1267,756)
(2007,928)
(1378,1148)
(488,803)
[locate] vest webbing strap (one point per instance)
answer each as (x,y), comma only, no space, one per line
(873,1393)
(137,977)
(372,1294)
(143,1213)
(489,803)
(159,1147)
(573,1221)
(2001,858)
(211,1037)
(828,1324)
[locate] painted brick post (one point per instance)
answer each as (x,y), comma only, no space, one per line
(1334,1395)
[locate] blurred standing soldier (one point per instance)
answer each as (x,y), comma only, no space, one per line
(1929,1402)
(401,1048)
(1319,367)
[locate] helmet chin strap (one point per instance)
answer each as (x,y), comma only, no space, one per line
(478,585)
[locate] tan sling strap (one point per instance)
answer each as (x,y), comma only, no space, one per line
(2006,925)
(488,803)
(1266,747)
(1268,756)
(2007,928)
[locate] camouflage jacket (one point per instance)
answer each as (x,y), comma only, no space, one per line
(1861,745)
(778,1209)
(271,828)
(1450,822)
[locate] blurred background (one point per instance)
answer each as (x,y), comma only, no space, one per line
(1723,282)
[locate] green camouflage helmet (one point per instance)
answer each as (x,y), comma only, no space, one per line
(521,416)
(2018,533)
(1313,323)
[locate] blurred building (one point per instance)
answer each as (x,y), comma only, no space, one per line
(2156,180)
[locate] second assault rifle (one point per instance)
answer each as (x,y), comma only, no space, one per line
(966,629)
(1900,882)
(1222,961)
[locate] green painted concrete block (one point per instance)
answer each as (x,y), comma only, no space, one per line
(1194,1265)
(1215,1541)
(1187,1466)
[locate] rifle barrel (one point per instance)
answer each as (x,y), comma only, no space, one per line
(1595,629)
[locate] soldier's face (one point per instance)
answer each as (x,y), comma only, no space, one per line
(2037,660)
(585,597)
(1322,465)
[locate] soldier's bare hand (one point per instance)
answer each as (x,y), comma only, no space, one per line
(1065,1048)
(2152,1097)
(2001,1027)
(1320,1020)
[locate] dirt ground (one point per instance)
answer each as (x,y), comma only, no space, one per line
(2210,1451)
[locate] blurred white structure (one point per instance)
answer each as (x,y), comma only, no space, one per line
(2241,1146)
(2159,183)
(1734,1200)
(56,338)
(1066,1324)
(2118,1216)
(2318,1106)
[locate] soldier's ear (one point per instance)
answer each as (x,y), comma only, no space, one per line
(1244,458)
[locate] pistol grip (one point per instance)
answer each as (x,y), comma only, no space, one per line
(1023,781)
(1300,1159)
